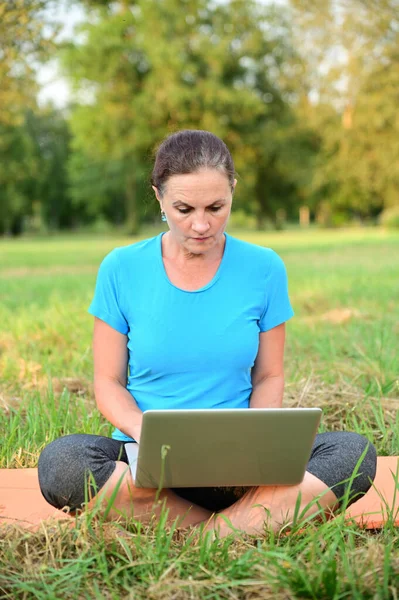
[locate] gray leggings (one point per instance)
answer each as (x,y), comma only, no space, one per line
(64,466)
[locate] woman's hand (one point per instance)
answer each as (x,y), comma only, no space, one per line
(110,378)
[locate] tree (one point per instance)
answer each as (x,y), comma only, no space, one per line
(33,175)
(18,167)
(50,136)
(148,68)
(25,39)
(352,53)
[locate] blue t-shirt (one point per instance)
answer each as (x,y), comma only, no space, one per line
(191,349)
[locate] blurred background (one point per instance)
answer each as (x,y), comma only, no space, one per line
(304,93)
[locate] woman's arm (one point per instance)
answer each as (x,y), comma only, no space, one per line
(268,371)
(110,377)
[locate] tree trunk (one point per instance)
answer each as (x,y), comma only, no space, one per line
(260,220)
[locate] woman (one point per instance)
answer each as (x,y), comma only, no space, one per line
(193,318)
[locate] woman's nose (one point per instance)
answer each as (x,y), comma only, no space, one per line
(200,225)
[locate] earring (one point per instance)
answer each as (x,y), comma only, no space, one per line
(163,216)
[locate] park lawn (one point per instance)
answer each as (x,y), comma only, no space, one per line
(341,354)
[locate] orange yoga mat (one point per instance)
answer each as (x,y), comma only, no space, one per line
(21,501)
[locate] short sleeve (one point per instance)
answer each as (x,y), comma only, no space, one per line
(277,308)
(105,304)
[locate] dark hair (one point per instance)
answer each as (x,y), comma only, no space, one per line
(188,151)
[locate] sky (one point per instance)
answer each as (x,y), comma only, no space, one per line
(54,87)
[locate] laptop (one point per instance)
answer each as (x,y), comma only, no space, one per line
(223,447)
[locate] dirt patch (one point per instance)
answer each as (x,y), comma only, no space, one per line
(341,315)
(39,382)
(337,316)
(75,385)
(338,400)
(7,342)
(8,402)
(40,271)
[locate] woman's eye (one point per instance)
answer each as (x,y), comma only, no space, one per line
(185,211)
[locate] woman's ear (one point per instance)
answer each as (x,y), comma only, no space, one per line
(156,192)
(157,195)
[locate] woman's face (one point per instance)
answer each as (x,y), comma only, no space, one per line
(197,207)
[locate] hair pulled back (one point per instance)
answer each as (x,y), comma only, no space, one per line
(188,151)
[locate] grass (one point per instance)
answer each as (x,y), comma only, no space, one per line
(341,354)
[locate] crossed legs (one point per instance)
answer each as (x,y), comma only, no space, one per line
(260,507)
(65,463)
(144,503)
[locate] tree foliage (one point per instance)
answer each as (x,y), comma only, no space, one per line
(34,192)
(305,96)
(220,67)
(355,111)
(24,40)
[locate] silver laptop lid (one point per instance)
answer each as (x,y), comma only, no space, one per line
(224,447)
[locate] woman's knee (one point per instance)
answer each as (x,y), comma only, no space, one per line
(346,462)
(72,469)
(361,455)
